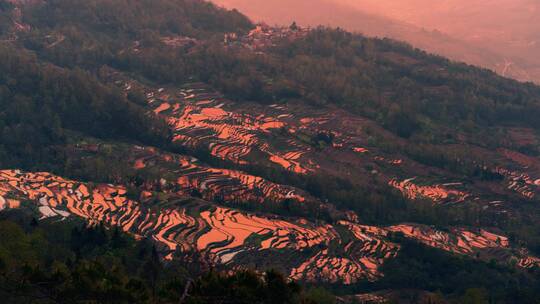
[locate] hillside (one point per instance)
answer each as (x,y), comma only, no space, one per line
(358,164)
(499,37)
(509,28)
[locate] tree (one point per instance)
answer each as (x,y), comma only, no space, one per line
(475,296)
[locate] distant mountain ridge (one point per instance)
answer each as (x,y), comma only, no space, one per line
(369,18)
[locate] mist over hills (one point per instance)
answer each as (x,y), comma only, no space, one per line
(500,35)
(510,28)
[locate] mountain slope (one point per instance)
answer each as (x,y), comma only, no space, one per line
(261,147)
(460,31)
(509,28)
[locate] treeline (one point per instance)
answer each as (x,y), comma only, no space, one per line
(463,279)
(5,16)
(68,262)
(407,91)
(40,103)
(372,199)
(53,262)
(49,98)
(404,89)
(101,32)
(129,19)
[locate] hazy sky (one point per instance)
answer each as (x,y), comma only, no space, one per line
(460,17)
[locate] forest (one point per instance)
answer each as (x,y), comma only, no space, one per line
(47,262)
(405,89)
(53,94)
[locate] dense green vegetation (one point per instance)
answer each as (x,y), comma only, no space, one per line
(40,102)
(128,19)
(406,90)
(106,32)
(51,93)
(66,262)
(5,20)
(52,262)
(409,92)
(429,269)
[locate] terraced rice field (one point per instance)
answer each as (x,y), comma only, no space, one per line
(529,262)
(368,298)
(240,133)
(9,203)
(198,119)
(282,136)
(455,240)
(304,141)
(221,235)
(286,136)
(225,236)
(215,184)
(521,183)
(436,193)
